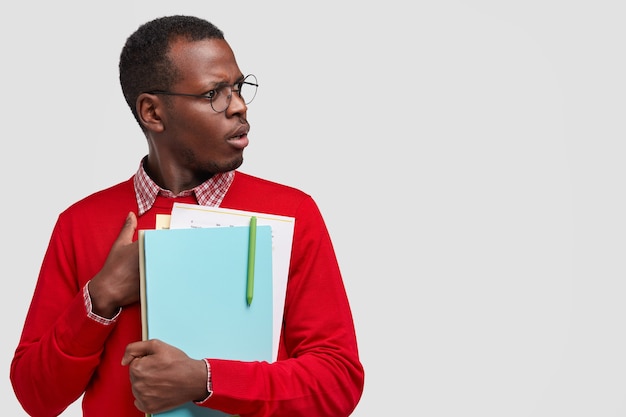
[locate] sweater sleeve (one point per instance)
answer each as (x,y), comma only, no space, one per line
(318,371)
(60,345)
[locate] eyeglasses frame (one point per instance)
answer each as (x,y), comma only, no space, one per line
(210,94)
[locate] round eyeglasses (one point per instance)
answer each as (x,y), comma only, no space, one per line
(220,96)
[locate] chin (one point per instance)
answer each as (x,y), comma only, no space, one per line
(225,167)
(235,164)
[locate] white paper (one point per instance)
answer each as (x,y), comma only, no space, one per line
(193,215)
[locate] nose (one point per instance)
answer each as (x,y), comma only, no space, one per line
(237,104)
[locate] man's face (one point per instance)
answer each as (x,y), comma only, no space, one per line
(195,137)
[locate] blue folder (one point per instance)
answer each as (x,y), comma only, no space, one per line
(194,296)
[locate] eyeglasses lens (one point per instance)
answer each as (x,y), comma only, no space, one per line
(246,90)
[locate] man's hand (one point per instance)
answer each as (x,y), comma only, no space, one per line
(164,377)
(117,283)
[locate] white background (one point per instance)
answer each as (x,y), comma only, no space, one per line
(468,157)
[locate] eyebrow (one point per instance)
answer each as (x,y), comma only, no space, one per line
(220,84)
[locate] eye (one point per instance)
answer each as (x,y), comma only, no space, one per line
(220,92)
(211,94)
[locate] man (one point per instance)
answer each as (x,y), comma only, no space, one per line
(82,334)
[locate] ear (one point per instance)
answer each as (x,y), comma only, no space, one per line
(149,108)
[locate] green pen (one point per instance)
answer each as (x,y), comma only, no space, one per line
(251,254)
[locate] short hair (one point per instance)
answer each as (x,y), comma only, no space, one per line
(144,64)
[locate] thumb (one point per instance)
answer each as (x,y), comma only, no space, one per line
(128,230)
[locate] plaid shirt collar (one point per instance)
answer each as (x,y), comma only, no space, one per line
(209,193)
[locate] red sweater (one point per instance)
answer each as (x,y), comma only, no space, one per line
(63,353)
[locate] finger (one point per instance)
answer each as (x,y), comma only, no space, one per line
(136,350)
(140,406)
(128,358)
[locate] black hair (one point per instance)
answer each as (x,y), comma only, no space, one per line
(144,63)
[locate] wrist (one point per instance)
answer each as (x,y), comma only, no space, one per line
(208,384)
(100,305)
